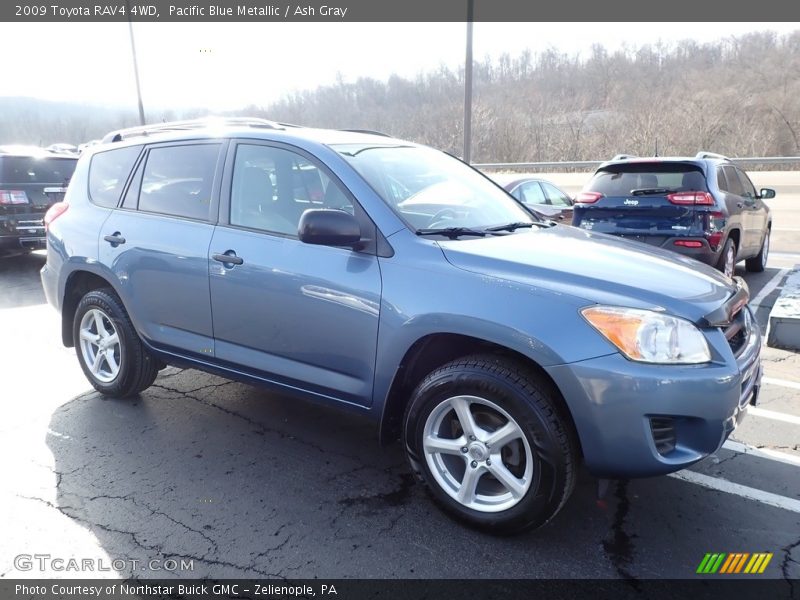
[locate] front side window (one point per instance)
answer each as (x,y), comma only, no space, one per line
(555,196)
(747,185)
(272,187)
(108,172)
(178,180)
(431,190)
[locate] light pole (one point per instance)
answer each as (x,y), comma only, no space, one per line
(135,64)
(468,86)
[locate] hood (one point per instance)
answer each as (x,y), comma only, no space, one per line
(597,268)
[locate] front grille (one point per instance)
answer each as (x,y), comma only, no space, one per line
(664,436)
(737,332)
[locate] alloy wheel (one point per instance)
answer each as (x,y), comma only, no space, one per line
(100,345)
(477,453)
(730,260)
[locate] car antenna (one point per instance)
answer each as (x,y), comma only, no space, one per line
(656,153)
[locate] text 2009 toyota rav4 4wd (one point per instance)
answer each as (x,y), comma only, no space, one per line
(389,278)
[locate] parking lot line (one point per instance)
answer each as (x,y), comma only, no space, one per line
(781,382)
(776,416)
(743,491)
(766,453)
(767,289)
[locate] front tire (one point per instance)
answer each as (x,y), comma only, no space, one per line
(109,350)
(491,442)
(727,260)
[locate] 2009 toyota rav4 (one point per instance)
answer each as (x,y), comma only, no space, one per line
(392,279)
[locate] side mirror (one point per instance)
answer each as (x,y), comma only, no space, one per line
(766,193)
(326,227)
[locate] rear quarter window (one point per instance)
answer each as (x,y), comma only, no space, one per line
(108,173)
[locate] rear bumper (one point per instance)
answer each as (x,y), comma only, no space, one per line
(640,420)
(705,253)
(22,231)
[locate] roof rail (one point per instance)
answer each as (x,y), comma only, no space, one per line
(704,154)
(624,156)
(368,131)
(146,130)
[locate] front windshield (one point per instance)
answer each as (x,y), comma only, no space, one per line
(430,190)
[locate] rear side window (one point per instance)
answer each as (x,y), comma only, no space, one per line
(27,169)
(621,180)
(178,180)
(734,184)
(108,173)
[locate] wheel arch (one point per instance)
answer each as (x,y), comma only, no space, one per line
(78,283)
(436,349)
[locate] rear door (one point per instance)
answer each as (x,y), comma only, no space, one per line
(157,243)
(642,201)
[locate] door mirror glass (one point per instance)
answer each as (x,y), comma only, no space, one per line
(766,193)
(326,227)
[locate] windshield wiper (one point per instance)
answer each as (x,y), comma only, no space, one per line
(521,224)
(514,226)
(451,232)
(650,191)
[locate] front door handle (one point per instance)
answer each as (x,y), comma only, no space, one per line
(228,258)
(115,239)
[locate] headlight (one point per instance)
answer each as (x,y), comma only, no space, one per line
(648,336)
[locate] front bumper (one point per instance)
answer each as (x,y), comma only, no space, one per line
(639,420)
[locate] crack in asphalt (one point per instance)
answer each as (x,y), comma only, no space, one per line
(619,548)
(787,558)
(261,429)
(156,548)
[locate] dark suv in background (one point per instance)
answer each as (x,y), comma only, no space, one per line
(704,207)
(31,181)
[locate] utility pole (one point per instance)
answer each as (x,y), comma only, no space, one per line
(135,64)
(468,86)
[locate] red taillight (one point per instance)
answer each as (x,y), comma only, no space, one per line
(588,197)
(684,198)
(688,243)
(13,197)
(714,239)
(55,211)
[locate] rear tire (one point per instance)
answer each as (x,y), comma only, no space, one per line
(758,263)
(727,260)
(516,469)
(109,350)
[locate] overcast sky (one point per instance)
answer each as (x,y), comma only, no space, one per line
(223,66)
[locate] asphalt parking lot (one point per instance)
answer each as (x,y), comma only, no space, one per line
(243,483)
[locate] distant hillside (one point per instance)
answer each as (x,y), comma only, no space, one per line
(739,96)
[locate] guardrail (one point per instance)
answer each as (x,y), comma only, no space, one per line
(592,164)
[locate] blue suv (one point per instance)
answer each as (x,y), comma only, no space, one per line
(394,280)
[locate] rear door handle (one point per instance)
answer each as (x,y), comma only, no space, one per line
(115,239)
(228,258)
